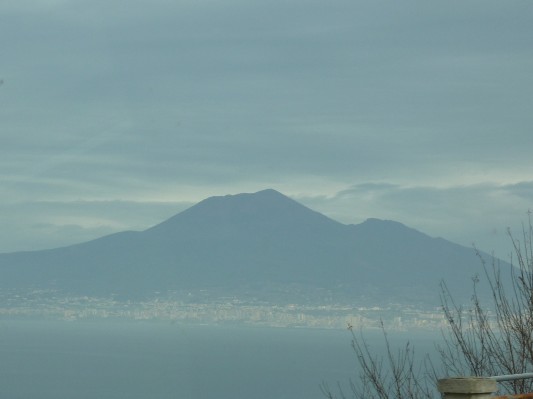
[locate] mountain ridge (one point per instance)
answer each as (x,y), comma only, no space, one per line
(259,241)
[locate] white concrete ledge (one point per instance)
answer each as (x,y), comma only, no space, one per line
(467,388)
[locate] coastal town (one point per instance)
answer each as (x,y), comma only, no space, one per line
(224,310)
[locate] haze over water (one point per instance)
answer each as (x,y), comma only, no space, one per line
(119,360)
(119,115)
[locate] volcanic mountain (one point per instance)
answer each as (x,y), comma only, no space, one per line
(264,243)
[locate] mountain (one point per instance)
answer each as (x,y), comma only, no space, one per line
(263,244)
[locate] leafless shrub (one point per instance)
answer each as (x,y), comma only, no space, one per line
(396,374)
(489,337)
(495,338)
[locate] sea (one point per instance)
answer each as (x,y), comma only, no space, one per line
(42,359)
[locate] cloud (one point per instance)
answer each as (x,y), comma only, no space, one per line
(176,101)
(48,224)
(467,214)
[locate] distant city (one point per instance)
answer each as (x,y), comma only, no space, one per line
(223,310)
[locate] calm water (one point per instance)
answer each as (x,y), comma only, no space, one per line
(111,360)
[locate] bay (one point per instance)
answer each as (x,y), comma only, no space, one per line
(119,360)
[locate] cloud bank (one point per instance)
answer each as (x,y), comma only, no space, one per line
(419,112)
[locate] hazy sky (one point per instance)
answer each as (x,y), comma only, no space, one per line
(118,114)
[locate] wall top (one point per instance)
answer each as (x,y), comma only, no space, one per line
(467,385)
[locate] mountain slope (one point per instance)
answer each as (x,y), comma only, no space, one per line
(262,241)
